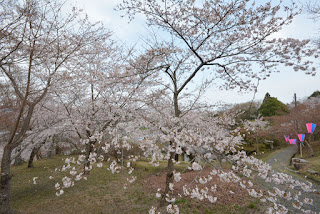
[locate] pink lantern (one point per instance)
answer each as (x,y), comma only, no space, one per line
(287,137)
(293,141)
(311,127)
(301,138)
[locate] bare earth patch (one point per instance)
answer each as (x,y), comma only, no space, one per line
(227,193)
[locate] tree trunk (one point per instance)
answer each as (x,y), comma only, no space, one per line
(33,153)
(170,169)
(86,160)
(176,105)
(18,160)
(169,177)
(5,181)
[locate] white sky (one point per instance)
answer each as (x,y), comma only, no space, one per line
(281,85)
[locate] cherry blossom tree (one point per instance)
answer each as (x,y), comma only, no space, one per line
(313,9)
(230,39)
(109,99)
(210,137)
(47,130)
(109,88)
(38,43)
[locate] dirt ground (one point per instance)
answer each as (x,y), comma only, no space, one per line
(227,193)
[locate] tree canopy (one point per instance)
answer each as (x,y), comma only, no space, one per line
(314,94)
(271,106)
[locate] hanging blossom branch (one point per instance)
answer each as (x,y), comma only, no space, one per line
(217,139)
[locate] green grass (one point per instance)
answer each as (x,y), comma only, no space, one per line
(102,193)
(314,161)
(316,149)
(315,165)
(252,205)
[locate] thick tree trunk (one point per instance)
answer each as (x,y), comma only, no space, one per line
(176,105)
(5,181)
(170,169)
(169,178)
(86,160)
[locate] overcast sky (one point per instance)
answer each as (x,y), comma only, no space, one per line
(281,85)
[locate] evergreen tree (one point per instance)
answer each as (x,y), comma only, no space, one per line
(272,106)
(314,94)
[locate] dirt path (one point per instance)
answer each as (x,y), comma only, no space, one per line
(279,162)
(281,159)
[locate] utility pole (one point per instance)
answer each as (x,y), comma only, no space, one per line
(296,122)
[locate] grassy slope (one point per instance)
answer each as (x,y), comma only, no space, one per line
(101,193)
(313,161)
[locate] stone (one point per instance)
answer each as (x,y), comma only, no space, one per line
(299,160)
(312,172)
(303,161)
(299,166)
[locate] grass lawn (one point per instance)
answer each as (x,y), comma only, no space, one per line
(313,161)
(315,165)
(103,192)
